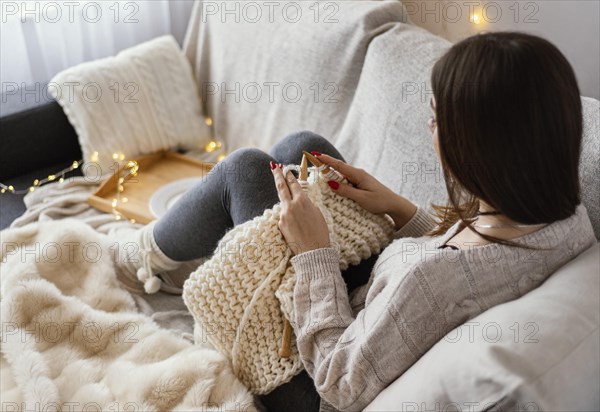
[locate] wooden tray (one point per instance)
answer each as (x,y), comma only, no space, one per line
(155,171)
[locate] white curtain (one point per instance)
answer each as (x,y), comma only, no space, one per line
(40,38)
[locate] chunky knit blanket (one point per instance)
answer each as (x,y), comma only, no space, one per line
(242,294)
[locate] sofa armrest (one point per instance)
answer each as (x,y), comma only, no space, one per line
(36,138)
(33,144)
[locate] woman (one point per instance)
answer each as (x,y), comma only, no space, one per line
(507,129)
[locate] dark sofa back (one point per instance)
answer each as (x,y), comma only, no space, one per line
(34,139)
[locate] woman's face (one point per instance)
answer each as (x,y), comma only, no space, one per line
(433,127)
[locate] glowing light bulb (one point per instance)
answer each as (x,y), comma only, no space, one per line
(75,164)
(212,146)
(114,203)
(115,156)
(36,182)
(94,157)
(476,19)
(31,188)
(2,190)
(221,157)
(51,177)
(208,121)
(61,180)
(11,188)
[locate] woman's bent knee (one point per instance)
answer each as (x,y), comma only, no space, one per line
(289,149)
(247,164)
(304,138)
(246,155)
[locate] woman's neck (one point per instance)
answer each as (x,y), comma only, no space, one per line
(495,225)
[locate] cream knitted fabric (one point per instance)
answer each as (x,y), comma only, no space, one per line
(240,296)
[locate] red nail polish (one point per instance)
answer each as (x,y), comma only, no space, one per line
(316,153)
(333,184)
(272,164)
(280,166)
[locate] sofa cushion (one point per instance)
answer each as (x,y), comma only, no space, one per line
(308,54)
(386,130)
(539,352)
(589,168)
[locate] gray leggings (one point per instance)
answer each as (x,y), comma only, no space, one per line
(236,190)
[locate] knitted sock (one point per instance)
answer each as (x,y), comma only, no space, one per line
(139,259)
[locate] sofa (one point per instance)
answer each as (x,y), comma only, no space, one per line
(360,77)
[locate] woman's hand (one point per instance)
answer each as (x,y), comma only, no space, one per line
(301,222)
(369,192)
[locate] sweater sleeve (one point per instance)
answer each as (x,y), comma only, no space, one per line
(417,226)
(348,358)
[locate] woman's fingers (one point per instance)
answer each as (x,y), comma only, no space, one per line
(287,186)
(293,185)
(350,192)
(281,184)
(353,174)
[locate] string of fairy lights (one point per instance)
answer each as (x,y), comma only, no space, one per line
(129,168)
(38,182)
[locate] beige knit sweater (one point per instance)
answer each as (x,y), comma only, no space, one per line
(354,346)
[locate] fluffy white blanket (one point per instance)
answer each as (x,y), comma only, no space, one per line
(72,338)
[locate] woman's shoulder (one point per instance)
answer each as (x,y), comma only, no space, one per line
(547,248)
(564,238)
(544,250)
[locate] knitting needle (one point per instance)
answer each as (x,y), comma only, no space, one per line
(304,168)
(327,171)
(286,341)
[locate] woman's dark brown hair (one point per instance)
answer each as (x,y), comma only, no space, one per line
(509,121)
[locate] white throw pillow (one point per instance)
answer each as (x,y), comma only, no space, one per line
(537,353)
(141,101)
